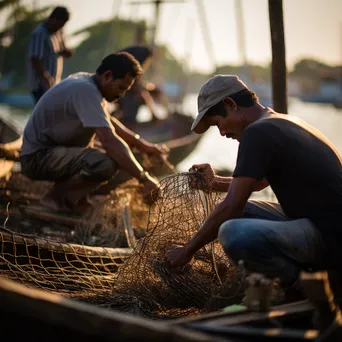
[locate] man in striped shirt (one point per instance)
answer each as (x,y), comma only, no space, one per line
(46,53)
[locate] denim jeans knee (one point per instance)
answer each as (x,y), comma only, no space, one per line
(234,237)
(265,246)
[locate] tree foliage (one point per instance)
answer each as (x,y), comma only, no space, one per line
(21,21)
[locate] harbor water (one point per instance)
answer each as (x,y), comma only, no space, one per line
(219,151)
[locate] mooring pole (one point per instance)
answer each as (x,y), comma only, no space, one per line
(279,72)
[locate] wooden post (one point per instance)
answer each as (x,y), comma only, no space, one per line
(279,73)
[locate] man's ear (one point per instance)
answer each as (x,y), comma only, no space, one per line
(108,76)
(230,103)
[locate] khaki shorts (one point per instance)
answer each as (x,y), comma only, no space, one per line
(61,163)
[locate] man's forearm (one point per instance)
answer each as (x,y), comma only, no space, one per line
(210,228)
(118,150)
(221,184)
(148,99)
(131,138)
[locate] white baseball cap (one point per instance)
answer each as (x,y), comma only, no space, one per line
(212,92)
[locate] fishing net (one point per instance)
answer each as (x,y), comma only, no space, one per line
(116,221)
(164,292)
(68,269)
(143,283)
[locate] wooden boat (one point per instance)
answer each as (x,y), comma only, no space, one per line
(60,318)
(10,144)
(175,132)
(70,318)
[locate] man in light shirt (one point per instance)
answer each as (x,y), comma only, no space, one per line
(58,140)
(46,53)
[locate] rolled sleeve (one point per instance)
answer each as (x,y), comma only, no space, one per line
(89,106)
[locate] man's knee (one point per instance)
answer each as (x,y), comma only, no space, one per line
(98,167)
(239,237)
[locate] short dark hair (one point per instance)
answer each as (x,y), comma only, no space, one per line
(120,64)
(60,13)
(244,98)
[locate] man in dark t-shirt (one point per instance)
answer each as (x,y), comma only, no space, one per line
(303,230)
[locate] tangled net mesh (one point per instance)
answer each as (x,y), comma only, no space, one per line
(68,269)
(143,283)
(114,222)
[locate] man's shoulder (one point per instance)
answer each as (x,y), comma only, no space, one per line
(81,80)
(40,29)
(81,84)
(275,121)
(268,127)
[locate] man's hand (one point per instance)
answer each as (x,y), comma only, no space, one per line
(47,81)
(67,53)
(159,151)
(150,189)
(154,149)
(177,256)
(205,179)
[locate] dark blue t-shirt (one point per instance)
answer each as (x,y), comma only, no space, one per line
(302,167)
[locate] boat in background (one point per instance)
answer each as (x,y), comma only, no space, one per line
(175,132)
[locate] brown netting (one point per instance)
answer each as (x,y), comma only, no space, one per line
(68,269)
(114,222)
(178,213)
(143,284)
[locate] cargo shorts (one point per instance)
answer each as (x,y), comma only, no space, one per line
(61,163)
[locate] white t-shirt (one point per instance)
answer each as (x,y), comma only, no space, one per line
(66,115)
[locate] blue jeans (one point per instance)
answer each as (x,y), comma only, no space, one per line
(270,243)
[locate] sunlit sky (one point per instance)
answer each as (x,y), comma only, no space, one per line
(313,28)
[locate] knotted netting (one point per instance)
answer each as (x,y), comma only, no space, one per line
(142,282)
(68,269)
(113,222)
(161,291)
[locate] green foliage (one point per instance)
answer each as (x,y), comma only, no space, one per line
(102,38)
(255,72)
(105,37)
(14,56)
(4,4)
(308,67)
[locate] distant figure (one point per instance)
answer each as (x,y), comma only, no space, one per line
(138,95)
(46,53)
(58,140)
(300,231)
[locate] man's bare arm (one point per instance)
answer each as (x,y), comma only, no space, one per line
(222,184)
(119,151)
(131,138)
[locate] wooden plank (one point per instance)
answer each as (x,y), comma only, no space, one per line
(48,317)
(45,214)
(248,333)
(244,317)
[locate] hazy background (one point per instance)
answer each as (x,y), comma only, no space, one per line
(313,28)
